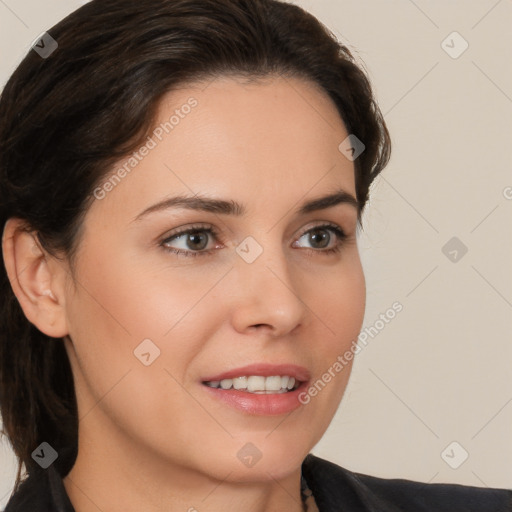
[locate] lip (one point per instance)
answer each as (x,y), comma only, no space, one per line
(265,370)
(259,404)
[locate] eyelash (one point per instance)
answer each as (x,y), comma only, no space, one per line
(338,232)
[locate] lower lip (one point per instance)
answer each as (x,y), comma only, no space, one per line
(262,404)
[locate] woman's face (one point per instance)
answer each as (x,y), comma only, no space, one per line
(260,286)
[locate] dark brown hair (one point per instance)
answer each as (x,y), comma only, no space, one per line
(65,119)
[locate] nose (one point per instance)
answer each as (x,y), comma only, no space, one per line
(268,296)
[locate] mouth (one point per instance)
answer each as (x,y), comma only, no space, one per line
(259,389)
(257,384)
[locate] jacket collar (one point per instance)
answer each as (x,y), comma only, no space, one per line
(334,486)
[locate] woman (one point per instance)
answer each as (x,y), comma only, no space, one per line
(167,168)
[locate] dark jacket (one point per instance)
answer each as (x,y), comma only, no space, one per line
(335,489)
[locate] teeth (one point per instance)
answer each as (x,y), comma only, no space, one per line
(240,382)
(226,383)
(257,384)
(273,383)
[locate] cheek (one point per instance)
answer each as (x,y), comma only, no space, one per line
(128,299)
(339,306)
(121,302)
(116,307)
(340,302)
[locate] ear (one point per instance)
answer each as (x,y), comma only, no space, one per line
(36,277)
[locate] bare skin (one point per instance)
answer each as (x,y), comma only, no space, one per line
(150,437)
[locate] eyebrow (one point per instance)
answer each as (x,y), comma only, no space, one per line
(231,207)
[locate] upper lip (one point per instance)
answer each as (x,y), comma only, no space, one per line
(266,370)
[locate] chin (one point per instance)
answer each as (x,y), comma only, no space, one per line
(273,460)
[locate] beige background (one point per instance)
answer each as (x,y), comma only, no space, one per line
(439,372)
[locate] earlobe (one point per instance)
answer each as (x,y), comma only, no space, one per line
(35,279)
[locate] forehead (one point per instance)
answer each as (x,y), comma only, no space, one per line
(268,140)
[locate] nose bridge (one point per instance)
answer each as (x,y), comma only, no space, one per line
(268,291)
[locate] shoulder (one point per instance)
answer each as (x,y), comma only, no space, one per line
(32,494)
(333,486)
(41,491)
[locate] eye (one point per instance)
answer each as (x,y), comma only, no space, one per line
(322,237)
(194,240)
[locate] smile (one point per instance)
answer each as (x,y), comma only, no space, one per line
(258,384)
